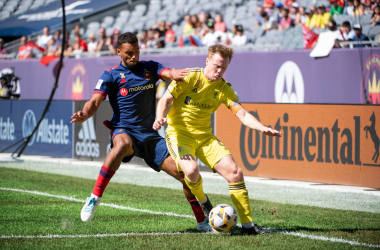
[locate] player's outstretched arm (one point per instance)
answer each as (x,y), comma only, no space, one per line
(250,121)
(162,108)
(174,74)
(89,109)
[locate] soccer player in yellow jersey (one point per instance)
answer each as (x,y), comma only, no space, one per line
(189,133)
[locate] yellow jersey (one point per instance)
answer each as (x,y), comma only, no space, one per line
(196,98)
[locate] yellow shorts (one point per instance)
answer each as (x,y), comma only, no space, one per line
(206,147)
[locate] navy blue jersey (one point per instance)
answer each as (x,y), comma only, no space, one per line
(132,94)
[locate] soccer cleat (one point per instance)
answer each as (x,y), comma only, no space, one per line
(252,230)
(204,227)
(206,207)
(88,209)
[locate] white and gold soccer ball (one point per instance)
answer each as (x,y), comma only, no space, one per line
(223,218)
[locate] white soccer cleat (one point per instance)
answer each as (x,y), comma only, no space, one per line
(204,227)
(88,209)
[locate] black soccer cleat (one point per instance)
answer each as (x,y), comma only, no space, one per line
(206,207)
(252,230)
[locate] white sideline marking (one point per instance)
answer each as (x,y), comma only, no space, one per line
(101,204)
(302,235)
(51,236)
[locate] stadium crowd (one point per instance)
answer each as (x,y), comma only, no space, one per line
(206,30)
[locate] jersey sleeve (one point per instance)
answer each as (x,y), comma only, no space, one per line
(104,85)
(158,68)
(177,88)
(232,101)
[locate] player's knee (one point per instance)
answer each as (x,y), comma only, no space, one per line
(236,174)
(122,147)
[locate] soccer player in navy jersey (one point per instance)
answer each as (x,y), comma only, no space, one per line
(130,87)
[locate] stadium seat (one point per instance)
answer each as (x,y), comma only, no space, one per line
(374,31)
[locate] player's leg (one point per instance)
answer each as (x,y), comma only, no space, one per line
(227,168)
(182,149)
(121,147)
(170,167)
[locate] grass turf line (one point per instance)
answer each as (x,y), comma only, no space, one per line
(62,217)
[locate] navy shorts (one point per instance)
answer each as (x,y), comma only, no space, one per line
(149,146)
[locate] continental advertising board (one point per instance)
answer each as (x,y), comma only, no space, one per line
(336,144)
(52,138)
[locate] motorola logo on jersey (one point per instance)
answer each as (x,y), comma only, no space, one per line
(123,92)
(289,86)
(28,125)
(141,88)
(7,130)
(87,146)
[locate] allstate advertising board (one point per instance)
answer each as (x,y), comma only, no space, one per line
(54,136)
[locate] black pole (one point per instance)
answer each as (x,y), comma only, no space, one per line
(56,79)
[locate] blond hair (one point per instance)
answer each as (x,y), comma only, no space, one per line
(222,50)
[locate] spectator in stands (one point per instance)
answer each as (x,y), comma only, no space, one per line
(24,51)
(313,10)
(143,39)
(207,35)
(51,48)
(80,43)
(3,50)
(115,35)
(359,36)
(197,26)
(259,18)
(303,15)
(239,39)
(365,10)
(104,42)
(375,19)
(349,10)
(345,33)
(268,23)
(57,38)
(188,28)
(323,17)
(170,34)
(286,21)
(310,19)
(203,17)
(288,3)
(44,38)
(157,41)
(268,6)
(335,9)
(92,44)
(294,13)
(219,25)
(278,14)
(357,10)
(76,31)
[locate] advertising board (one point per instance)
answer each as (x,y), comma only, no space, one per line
(336,144)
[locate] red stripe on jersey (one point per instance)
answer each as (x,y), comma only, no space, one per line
(162,70)
(112,68)
(99,92)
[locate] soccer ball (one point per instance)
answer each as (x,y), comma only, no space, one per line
(223,218)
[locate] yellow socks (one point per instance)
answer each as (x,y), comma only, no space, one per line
(196,188)
(239,196)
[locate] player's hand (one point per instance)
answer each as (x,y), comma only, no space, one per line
(79,116)
(271,132)
(178,74)
(158,123)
